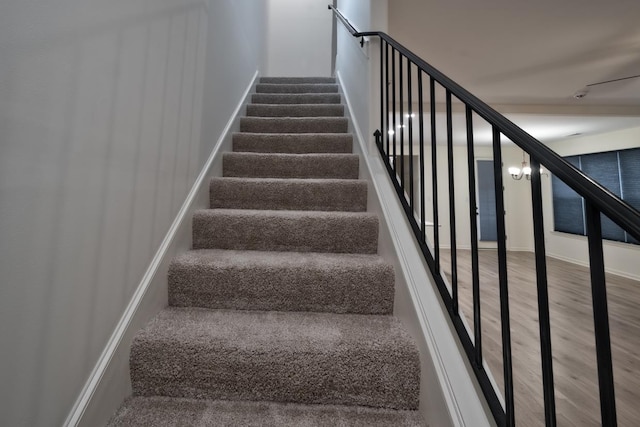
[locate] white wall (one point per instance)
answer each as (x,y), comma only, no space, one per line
(357,66)
(298,38)
(620,258)
(100,141)
(517,197)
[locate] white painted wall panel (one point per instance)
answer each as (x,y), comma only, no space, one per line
(298,38)
(108,111)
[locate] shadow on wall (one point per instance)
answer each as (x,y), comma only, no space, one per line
(100,110)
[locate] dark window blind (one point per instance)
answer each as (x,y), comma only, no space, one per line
(568,211)
(487,201)
(603,168)
(630,180)
(618,171)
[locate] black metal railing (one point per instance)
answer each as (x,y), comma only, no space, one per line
(399,69)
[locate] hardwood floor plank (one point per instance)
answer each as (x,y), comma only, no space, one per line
(572,336)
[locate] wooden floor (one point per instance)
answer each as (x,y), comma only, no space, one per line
(573,343)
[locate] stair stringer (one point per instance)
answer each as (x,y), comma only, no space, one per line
(109,382)
(449,392)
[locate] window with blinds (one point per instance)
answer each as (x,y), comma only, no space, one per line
(618,171)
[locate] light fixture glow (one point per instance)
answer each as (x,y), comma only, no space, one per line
(524,171)
(391,132)
(514,170)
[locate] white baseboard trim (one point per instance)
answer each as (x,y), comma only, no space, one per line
(97,375)
(462,397)
(620,273)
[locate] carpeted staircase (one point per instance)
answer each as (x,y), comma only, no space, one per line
(281,315)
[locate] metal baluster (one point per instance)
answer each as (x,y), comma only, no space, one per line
(421,133)
(382,80)
(401,125)
(452,207)
(393,88)
(502,272)
(473,222)
(601,317)
(434,177)
(543,296)
(387,83)
(410,128)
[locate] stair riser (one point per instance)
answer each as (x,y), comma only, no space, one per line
(249,165)
(292,143)
(297,80)
(294,125)
(296,88)
(288,98)
(164,411)
(284,357)
(347,287)
(278,194)
(346,233)
(233,374)
(264,110)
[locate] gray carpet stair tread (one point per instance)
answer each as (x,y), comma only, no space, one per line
(296,98)
(312,358)
(173,412)
(294,124)
(282,281)
(289,194)
(292,231)
(293,143)
(295,110)
(284,165)
(297,80)
(296,88)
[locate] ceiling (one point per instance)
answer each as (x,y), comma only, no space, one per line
(529,58)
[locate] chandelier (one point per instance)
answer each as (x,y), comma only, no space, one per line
(524,171)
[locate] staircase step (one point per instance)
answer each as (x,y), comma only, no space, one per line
(294,231)
(296,88)
(295,98)
(166,411)
(289,194)
(281,281)
(295,110)
(294,124)
(280,165)
(311,358)
(297,80)
(293,143)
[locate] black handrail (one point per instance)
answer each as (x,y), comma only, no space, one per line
(598,201)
